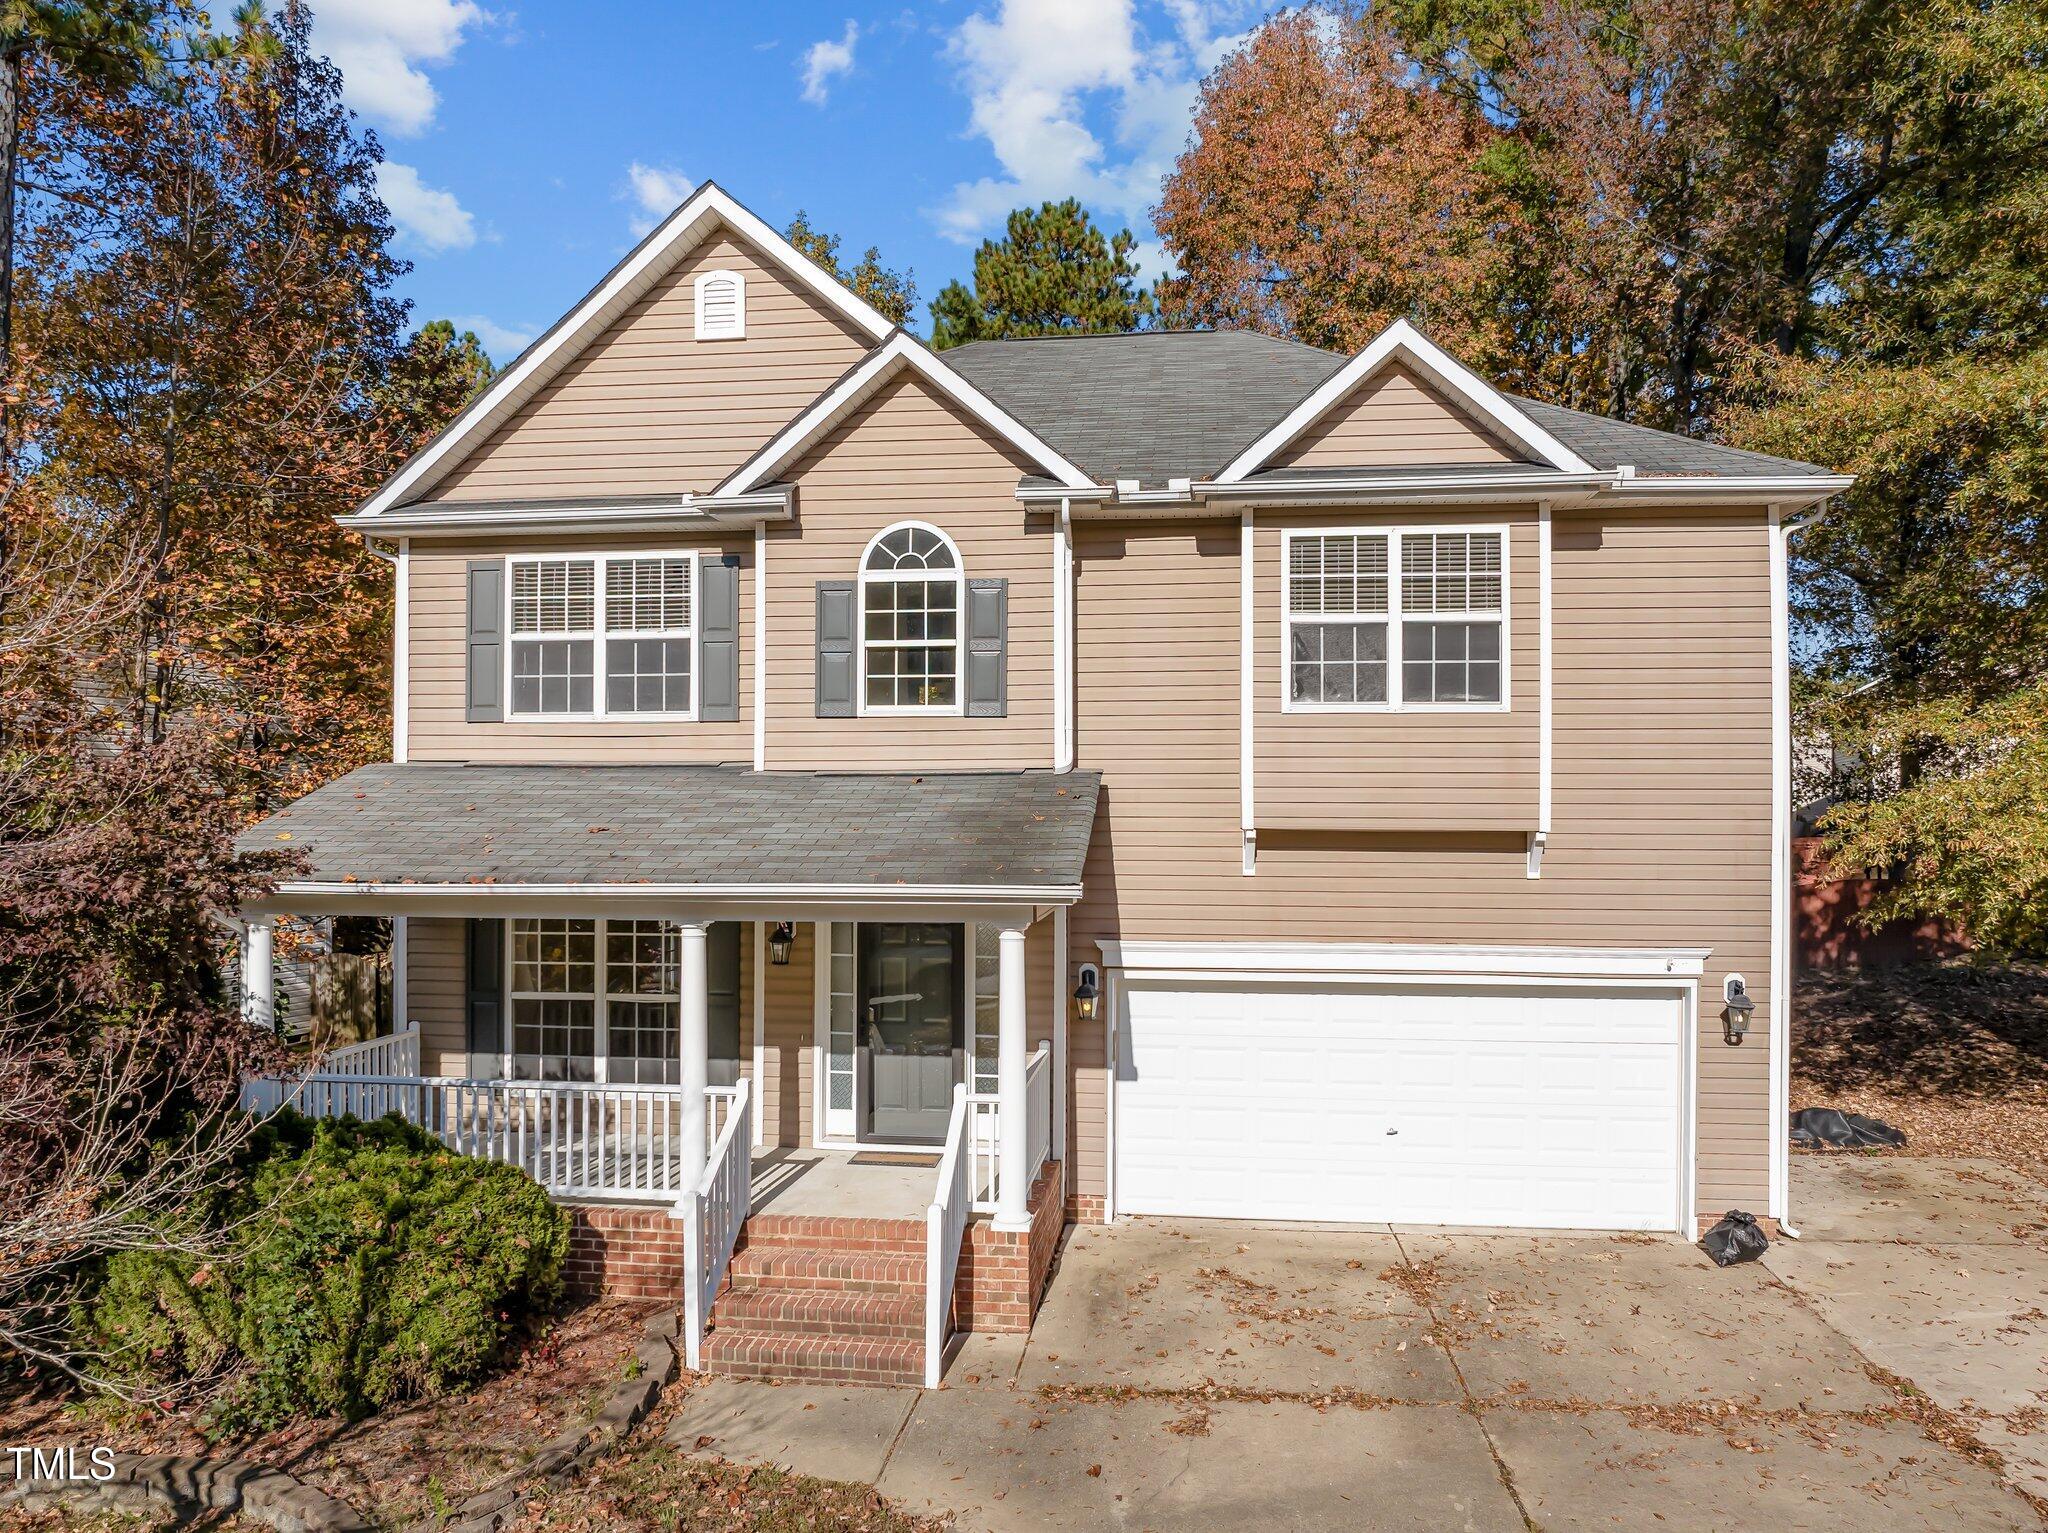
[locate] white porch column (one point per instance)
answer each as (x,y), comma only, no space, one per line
(695,1045)
(259,976)
(1012,1110)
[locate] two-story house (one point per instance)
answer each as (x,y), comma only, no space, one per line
(854,808)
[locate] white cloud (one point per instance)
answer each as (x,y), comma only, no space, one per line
(425,215)
(824,60)
(655,190)
(1036,70)
(378,45)
(501,342)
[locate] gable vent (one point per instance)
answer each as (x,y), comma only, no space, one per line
(721,306)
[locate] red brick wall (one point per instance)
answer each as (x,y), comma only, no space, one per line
(1003,1272)
(1084,1207)
(634,1253)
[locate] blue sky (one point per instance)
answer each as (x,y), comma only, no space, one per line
(528,148)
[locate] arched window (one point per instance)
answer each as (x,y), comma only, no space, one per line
(721,306)
(910,621)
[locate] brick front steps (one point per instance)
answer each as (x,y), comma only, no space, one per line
(839,1300)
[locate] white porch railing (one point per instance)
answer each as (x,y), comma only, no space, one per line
(984,1136)
(397,1053)
(714,1214)
(576,1139)
(945,1226)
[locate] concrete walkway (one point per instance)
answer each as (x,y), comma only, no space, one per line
(1192,1375)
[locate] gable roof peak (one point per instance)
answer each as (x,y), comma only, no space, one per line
(707,208)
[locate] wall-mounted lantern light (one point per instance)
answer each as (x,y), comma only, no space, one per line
(1087,994)
(781,941)
(1736,1009)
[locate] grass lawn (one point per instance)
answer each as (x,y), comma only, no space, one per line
(1956,1054)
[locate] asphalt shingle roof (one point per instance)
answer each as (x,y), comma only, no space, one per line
(434,823)
(1155,405)
(1152,405)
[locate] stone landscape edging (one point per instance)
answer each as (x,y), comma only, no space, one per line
(577,1447)
(191,1486)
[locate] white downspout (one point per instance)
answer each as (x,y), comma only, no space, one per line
(1246,805)
(1063,638)
(1541,840)
(1781,861)
(760,672)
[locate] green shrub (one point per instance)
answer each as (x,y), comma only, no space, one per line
(369,1264)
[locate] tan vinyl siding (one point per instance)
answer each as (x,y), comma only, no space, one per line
(1465,769)
(438,730)
(908,455)
(1661,817)
(1395,416)
(647,408)
(789,1040)
(435,993)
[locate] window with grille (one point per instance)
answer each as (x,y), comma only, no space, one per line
(1393,618)
(910,622)
(644,648)
(643,1002)
(554,999)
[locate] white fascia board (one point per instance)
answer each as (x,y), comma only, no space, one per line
(686,513)
(706,208)
(1310,961)
(1788,492)
(888,894)
(901,350)
(1402,340)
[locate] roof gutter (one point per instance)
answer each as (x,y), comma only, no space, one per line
(677,513)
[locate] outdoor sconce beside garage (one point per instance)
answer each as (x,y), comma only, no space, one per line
(781,940)
(1736,1008)
(1087,994)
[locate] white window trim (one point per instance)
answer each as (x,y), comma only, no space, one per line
(598,636)
(600,999)
(958,707)
(1395,616)
(737,331)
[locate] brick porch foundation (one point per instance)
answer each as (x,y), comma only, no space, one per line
(623,1252)
(1003,1272)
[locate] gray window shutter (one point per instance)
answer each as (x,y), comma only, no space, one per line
(988,633)
(484,995)
(722,1001)
(718,611)
(836,619)
(484,689)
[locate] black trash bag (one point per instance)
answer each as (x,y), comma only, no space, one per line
(1829,1128)
(1735,1239)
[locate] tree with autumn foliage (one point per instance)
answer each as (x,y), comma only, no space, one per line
(892,294)
(220,370)
(1053,273)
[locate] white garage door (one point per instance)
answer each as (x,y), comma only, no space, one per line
(1428,1105)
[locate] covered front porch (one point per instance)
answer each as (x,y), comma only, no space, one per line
(708,990)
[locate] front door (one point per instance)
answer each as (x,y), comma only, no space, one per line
(912,981)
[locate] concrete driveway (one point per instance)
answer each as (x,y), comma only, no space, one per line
(1888,1372)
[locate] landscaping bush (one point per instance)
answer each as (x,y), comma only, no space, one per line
(369,1265)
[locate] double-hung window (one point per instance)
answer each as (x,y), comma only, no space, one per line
(1395,618)
(596,1000)
(910,622)
(600,635)
(554,1000)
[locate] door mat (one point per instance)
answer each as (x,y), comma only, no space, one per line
(894,1158)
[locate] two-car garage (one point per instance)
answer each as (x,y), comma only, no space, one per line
(1544,1100)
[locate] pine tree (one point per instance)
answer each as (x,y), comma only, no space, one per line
(1053,273)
